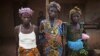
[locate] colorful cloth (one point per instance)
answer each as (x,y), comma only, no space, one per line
(85,36)
(75,42)
(74,39)
(75,45)
(28,52)
(52,38)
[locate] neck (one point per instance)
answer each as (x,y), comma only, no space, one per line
(52,18)
(74,24)
(27,26)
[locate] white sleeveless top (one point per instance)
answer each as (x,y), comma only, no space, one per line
(27,41)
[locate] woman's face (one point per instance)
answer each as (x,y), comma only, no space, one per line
(26,19)
(75,17)
(52,12)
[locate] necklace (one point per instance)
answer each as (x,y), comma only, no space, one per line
(53,29)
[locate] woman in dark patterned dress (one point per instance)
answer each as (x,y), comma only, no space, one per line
(52,31)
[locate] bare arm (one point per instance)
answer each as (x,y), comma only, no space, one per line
(16,31)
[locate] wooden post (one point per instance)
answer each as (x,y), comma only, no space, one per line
(47,2)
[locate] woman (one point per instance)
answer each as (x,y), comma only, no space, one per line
(76,39)
(26,33)
(52,31)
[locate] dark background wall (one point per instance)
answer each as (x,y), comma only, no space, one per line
(9,19)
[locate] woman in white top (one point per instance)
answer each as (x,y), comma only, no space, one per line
(26,33)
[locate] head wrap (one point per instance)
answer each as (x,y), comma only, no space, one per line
(74,10)
(26,11)
(54,4)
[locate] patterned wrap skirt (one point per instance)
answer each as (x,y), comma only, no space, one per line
(28,52)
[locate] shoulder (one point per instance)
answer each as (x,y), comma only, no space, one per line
(17,28)
(67,23)
(81,23)
(43,21)
(35,27)
(59,20)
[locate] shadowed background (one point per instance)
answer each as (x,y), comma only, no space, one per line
(9,19)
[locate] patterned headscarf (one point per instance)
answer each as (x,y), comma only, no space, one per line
(54,4)
(26,11)
(74,10)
